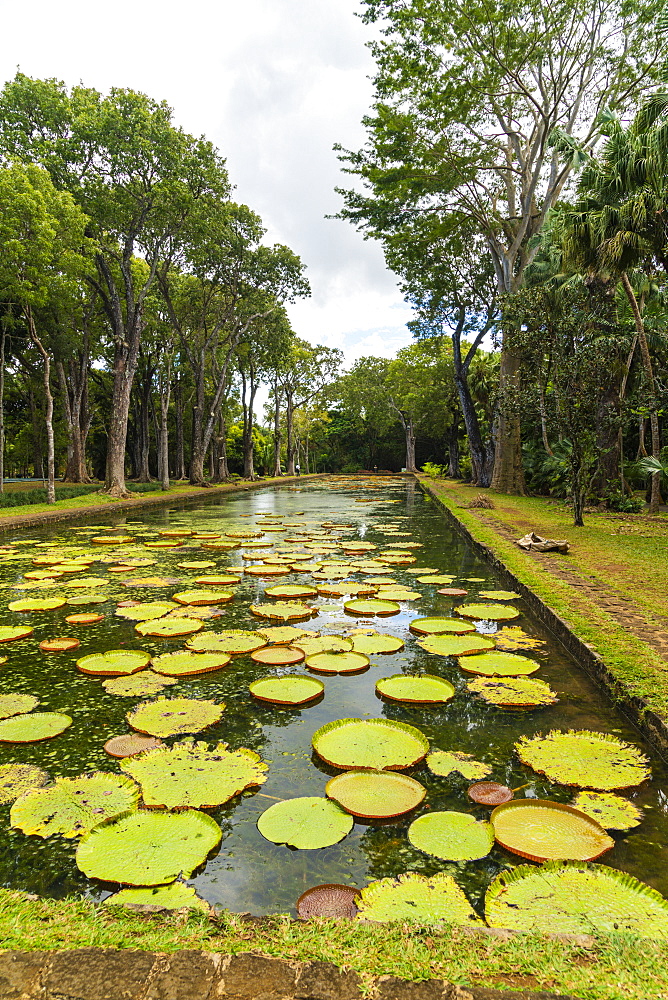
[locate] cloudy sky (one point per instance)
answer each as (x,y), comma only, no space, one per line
(274,84)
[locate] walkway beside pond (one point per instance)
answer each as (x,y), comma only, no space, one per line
(611,589)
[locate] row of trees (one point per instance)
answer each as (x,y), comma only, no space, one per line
(138,292)
(515,174)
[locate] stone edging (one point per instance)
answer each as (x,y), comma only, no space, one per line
(110,974)
(11,523)
(651,725)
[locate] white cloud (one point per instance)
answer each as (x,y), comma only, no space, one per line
(274,83)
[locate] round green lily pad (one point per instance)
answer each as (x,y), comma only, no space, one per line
(498,595)
(174,716)
(185,663)
(200,598)
(37,604)
(323,644)
(542,830)
(114,663)
(307,823)
(457,645)
(423,688)
(82,600)
(278,656)
(73,806)
(375,794)
(282,611)
(169,628)
(16,704)
(513,692)
(129,744)
(289,634)
(334,662)
(292,689)
(571,898)
(381,744)
(148,847)
(452,836)
(399,594)
(8,633)
(137,685)
(498,664)
(488,612)
(416,899)
(15,779)
(176,896)
(585,759)
(445,762)
(375,643)
(372,606)
(235,640)
(145,611)
(611,811)
(33,727)
(194,775)
(437,578)
(291,591)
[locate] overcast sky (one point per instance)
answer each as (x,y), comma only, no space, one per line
(274,84)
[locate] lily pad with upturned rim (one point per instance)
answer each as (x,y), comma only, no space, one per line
(84,619)
(612,811)
(337,662)
(585,759)
(286,634)
(15,779)
(74,806)
(291,592)
(60,644)
(440,626)
(37,604)
(372,607)
(513,692)
(278,656)
(381,744)
(174,716)
(499,664)
(323,644)
(417,899)
(140,685)
(375,794)
(195,775)
(452,836)
(16,704)
(201,598)
(542,830)
(175,896)
(445,762)
(33,727)
(425,688)
(330,901)
(307,823)
(114,663)
(292,689)
(148,847)
(499,595)
(571,898)
(169,628)
(288,611)
(145,610)
(488,612)
(10,633)
(457,645)
(185,663)
(375,643)
(233,641)
(129,744)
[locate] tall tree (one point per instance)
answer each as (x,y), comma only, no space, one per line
(304,373)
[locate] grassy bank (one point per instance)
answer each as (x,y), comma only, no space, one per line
(618,553)
(604,968)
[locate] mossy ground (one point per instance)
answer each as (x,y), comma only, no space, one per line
(606,968)
(621,553)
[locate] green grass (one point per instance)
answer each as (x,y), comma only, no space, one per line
(606,968)
(634,568)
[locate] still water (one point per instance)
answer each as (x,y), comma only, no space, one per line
(248,873)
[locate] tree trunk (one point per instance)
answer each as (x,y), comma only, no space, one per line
(655,495)
(37,460)
(479,470)
(543,423)
(50,446)
(277,431)
(74,389)
(223,470)
(197,449)
(249,464)
(289,428)
(179,457)
(508,474)
(2,409)
(453,450)
(124,368)
(165,386)
(410,444)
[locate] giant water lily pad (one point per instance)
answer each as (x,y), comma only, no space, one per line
(194,774)
(398,594)
(498,595)
(457,645)
(37,604)
(199,598)
(129,744)
(9,633)
(488,612)
(375,642)
(174,716)
(169,628)
(137,685)
(452,836)
(498,664)
(306,823)
(148,847)
(585,759)
(513,637)
(185,663)
(381,744)
(422,688)
(288,634)
(372,606)
(286,611)
(176,896)
(323,644)
(73,806)
(445,762)
(571,898)
(513,692)
(219,580)
(33,727)
(16,704)
(292,689)
(81,600)
(611,811)
(278,656)
(235,640)
(375,794)
(436,578)
(114,663)
(416,899)
(335,662)
(15,779)
(145,611)
(542,830)
(291,591)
